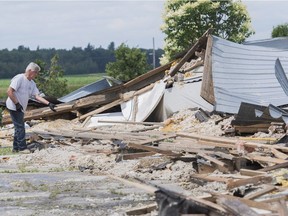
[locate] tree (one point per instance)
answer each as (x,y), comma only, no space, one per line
(130,63)
(111,46)
(51,81)
(280,31)
(186,20)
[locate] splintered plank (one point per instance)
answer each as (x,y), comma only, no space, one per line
(259,193)
(97,100)
(148,188)
(131,122)
(249,172)
(143,145)
(253,128)
(236,207)
(41,113)
(142,210)
(207,87)
(224,155)
(207,204)
(250,203)
(202,39)
(265,159)
(133,156)
(256,180)
(157,139)
(101,109)
(279,154)
(216,144)
(214,160)
(207,178)
(147,78)
(229,143)
(282,208)
(180,147)
(274,167)
(58,108)
(92,135)
(152,149)
(211,139)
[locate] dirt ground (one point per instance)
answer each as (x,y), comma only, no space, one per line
(71,179)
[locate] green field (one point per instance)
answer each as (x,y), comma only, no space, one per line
(74,82)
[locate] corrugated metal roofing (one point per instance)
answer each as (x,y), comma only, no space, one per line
(86,90)
(277,43)
(246,73)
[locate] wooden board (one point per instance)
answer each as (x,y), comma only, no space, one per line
(207,88)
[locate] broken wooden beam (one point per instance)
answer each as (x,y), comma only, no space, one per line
(132,122)
(256,180)
(265,159)
(230,142)
(101,109)
(207,178)
(190,53)
(250,203)
(249,172)
(41,113)
(214,160)
(236,207)
(259,193)
(274,167)
(279,154)
(148,188)
(152,149)
(142,210)
(207,87)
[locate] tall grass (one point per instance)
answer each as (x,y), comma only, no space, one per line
(4,83)
(74,82)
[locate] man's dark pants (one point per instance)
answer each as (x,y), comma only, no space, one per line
(19,142)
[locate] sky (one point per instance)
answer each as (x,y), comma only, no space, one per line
(67,24)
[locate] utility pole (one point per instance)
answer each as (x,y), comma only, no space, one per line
(154,62)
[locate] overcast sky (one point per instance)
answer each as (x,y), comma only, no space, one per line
(67,24)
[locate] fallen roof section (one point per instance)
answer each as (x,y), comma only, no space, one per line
(276,43)
(87,90)
(253,118)
(244,73)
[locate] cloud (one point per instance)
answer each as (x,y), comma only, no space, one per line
(64,24)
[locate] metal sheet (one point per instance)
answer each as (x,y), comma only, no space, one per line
(245,73)
(86,90)
(144,105)
(277,43)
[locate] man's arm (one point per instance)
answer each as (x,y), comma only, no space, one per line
(10,93)
(44,101)
(41,99)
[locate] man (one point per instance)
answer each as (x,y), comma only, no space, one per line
(21,88)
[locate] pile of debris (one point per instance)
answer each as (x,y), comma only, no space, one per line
(209,123)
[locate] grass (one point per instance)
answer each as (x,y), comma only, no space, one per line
(4,83)
(6,151)
(74,82)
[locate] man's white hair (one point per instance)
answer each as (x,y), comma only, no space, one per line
(33,66)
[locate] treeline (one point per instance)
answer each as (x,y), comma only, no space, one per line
(78,60)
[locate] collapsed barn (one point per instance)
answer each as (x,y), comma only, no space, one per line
(244,84)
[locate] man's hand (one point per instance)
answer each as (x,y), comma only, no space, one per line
(19,107)
(52,106)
